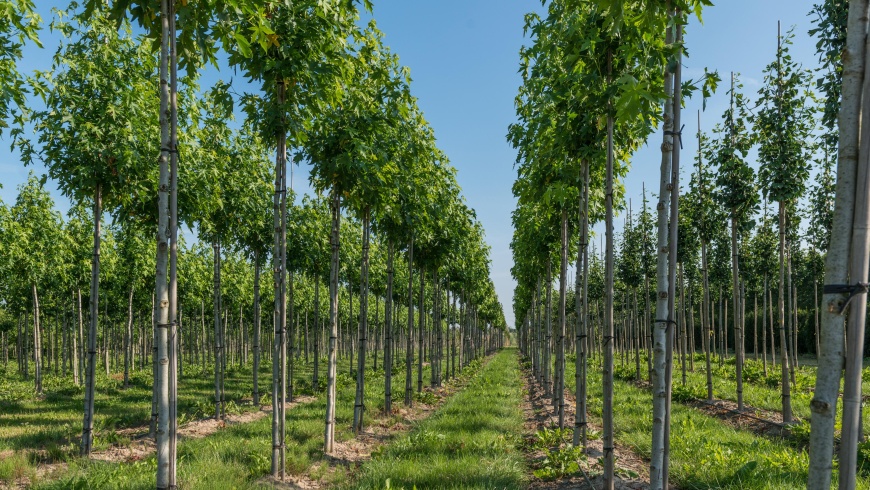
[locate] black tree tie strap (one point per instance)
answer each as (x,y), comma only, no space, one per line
(672,322)
(678,134)
(851,289)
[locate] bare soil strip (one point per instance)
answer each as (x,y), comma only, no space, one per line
(540,413)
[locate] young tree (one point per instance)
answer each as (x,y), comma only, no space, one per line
(737,193)
(33,233)
(95,136)
(783,123)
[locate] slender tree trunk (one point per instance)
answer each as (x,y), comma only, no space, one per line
(257,315)
(409,345)
(317,331)
(548,339)
(174,341)
(786,386)
(672,326)
(691,306)
(816,314)
(388,333)
(38,359)
(755,327)
(152,428)
(682,320)
(363,328)
(164,235)
(770,321)
(421,329)
(563,281)
(128,337)
(792,325)
(279,258)
(764,326)
(580,292)
(660,330)
(439,350)
(377,331)
(738,321)
(608,340)
(78,342)
(90,375)
(24,354)
(333,321)
(453,340)
(219,346)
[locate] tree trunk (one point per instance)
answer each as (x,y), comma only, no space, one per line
(738,321)
(816,314)
(329,435)
(377,331)
(388,333)
(279,267)
(90,375)
(607,366)
(78,342)
(786,386)
(662,314)
(770,321)
(421,328)
(682,321)
(161,288)
(174,342)
(672,326)
(362,328)
(563,281)
(37,342)
(548,337)
(764,326)
(128,337)
(409,345)
(152,427)
(315,381)
(219,347)
(755,327)
(256,346)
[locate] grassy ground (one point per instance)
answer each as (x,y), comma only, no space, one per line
(54,420)
(705,452)
(470,443)
(759,391)
(236,457)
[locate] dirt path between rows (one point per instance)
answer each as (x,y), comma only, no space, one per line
(540,413)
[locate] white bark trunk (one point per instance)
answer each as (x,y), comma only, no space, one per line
(660,329)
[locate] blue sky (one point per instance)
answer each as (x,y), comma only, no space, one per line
(463,56)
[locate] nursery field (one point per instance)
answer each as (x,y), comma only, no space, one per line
(235,253)
(40,436)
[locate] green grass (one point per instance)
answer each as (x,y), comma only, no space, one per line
(232,458)
(240,455)
(28,421)
(705,452)
(759,391)
(470,443)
